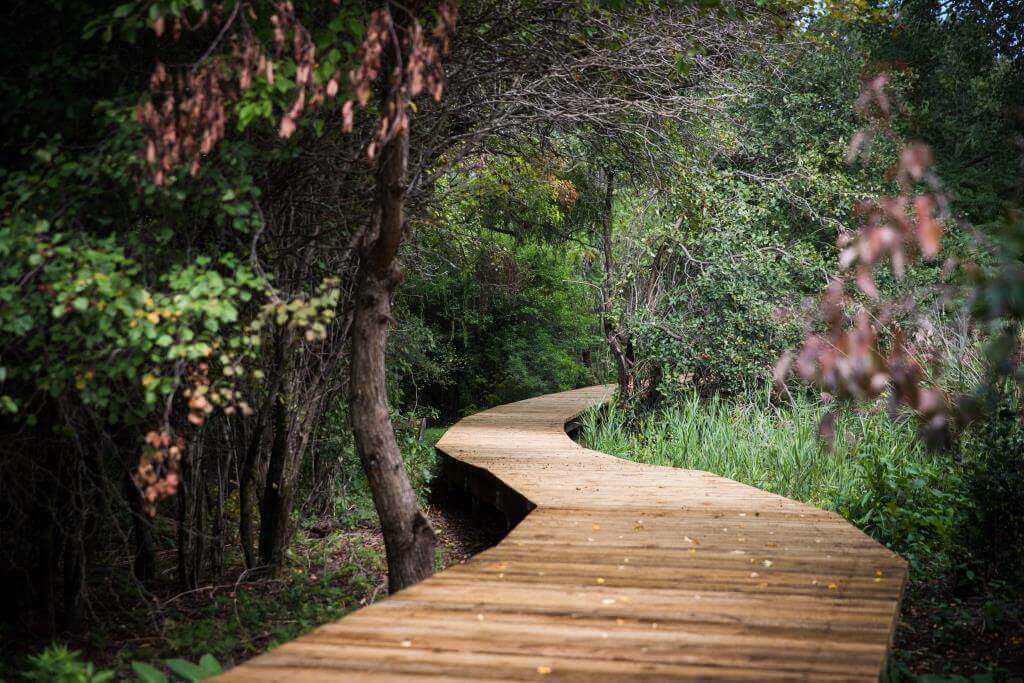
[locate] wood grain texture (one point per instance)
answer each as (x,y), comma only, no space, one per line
(621,571)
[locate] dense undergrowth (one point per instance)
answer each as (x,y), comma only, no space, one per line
(334,564)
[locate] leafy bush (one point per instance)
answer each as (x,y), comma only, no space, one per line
(912,506)
(992,453)
(722,327)
(58,664)
(507,320)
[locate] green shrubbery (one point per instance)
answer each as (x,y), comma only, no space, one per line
(992,458)
(58,664)
(912,505)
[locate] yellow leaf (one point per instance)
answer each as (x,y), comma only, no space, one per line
(147,380)
(543,670)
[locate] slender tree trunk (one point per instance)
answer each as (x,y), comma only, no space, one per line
(409,539)
(144,564)
(613,335)
(191,520)
(277,494)
(252,452)
(245,495)
(45,574)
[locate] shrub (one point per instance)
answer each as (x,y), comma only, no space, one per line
(992,454)
(912,506)
(58,664)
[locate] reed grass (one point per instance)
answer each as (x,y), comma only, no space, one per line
(773,447)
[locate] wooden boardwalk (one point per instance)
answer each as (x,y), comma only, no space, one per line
(620,571)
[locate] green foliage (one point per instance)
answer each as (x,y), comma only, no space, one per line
(58,664)
(992,453)
(913,506)
(183,670)
(502,320)
(746,233)
(353,502)
(94,309)
(722,327)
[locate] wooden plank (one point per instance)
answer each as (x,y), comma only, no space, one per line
(616,571)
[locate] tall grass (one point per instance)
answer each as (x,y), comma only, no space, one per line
(772,447)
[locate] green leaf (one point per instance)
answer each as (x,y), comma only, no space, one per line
(186,670)
(210,665)
(147,674)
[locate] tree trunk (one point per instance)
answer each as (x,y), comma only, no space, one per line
(191,519)
(409,539)
(245,504)
(252,452)
(277,494)
(144,564)
(617,342)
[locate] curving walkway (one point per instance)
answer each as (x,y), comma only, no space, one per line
(621,571)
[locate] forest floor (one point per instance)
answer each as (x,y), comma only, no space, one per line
(330,573)
(941,632)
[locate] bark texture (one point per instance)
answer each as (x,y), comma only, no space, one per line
(618,343)
(409,539)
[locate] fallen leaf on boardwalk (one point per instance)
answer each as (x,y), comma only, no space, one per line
(543,670)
